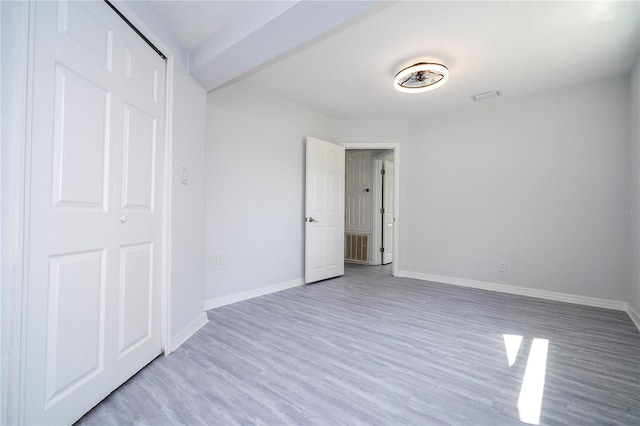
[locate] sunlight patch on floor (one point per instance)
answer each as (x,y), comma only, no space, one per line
(512,346)
(531,392)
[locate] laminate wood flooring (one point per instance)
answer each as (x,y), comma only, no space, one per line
(370,349)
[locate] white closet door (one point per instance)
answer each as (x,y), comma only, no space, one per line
(139,171)
(95,225)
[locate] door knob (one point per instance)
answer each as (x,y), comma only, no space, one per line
(311,220)
(123,219)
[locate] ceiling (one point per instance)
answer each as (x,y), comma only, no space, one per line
(194,22)
(344,68)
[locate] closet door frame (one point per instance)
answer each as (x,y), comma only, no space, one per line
(16,209)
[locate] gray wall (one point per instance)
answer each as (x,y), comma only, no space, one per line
(528,181)
(187,222)
(536,181)
(255,187)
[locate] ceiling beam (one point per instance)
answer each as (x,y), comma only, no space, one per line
(263,33)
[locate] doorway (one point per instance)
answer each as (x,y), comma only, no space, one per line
(371,217)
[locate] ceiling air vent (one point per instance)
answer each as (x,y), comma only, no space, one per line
(486,95)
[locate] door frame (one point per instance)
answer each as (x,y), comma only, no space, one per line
(14,293)
(396,191)
(378,164)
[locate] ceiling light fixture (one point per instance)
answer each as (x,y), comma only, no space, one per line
(421,77)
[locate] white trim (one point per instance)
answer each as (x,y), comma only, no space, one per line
(633,314)
(217,302)
(15,410)
(521,291)
(189,331)
(396,189)
(167,216)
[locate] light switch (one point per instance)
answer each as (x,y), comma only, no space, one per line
(184,176)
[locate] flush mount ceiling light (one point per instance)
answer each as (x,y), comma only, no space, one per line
(421,77)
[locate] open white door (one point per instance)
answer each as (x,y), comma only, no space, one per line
(388,215)
(324,211)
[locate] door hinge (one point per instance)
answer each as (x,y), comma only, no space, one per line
(382,210)
(382,171)
(381,249)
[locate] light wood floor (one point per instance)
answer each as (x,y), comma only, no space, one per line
(370,349)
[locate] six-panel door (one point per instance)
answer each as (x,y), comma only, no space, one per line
(324,207)
(95,224)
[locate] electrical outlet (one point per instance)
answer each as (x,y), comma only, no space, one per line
(219,259)
(502,266)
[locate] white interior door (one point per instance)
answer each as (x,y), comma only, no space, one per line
(388,217)
(95,222)
(324,210)
(358,192)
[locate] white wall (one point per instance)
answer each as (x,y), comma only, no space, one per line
(634,298)
(255,187)
(528,181)
(368,131)
(187,222)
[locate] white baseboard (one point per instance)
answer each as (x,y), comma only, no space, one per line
(633,314)
(191,329)
(522,291)
(217,302)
